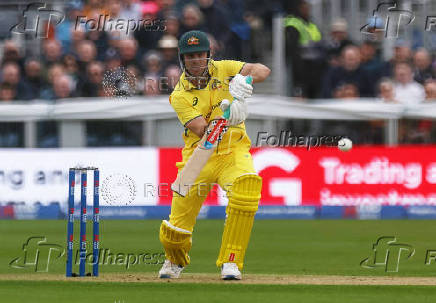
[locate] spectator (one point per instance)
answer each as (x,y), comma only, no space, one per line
(52,52)
(33,77)
(304,51)
(173,26)
(130,9)
(192,19)
(337,41)
(11,75)
(133,71)
(258,43)
(166,8)
(93,85)
(422,63)
(430,90)
(346,91)
(95,7)
(11,53)
(402,54)
(101,42)
(425,127)
(168,47)
(62,87)
(55,71)
(370,62)
(86,54)
(376,128)
(153,71)
(152,64)
(112,59)
(241,29)
(114,7)
(151,87)
(406,90)
(71,66)
(386,90)
(77,36)
(172,75)
(128,50)
(148,35)
(215,49)
(63,30)
(180,4)
(8,92)
(218,25)
(349,72)
(412,131)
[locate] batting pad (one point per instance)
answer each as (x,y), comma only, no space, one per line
(244,196)
(177,242)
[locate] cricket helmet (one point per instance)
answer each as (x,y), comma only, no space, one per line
(193,42)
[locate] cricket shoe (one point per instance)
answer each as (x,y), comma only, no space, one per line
(230,271)
(170,270)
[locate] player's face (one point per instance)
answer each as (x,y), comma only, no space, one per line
(196,63)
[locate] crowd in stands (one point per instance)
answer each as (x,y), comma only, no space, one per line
(74,58)
(334,66)
(79,52)
(352,69)
(76,55)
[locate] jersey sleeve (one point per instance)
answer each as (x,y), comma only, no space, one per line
(184,110)
(232,67)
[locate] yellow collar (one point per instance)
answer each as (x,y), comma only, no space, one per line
(187,85)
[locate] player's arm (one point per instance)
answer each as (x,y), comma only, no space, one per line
(198,126)
(257,71)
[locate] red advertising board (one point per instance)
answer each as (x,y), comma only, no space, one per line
(326,176)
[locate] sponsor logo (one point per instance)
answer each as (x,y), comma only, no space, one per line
(193,41)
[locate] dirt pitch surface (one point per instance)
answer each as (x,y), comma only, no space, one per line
(247,279)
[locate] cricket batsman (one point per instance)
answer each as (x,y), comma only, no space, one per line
(205,89)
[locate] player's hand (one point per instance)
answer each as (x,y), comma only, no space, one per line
(238,111)
(239,88)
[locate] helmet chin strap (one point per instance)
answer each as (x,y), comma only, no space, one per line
(204,74)
(189,75)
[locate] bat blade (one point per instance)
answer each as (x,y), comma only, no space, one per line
(205,148)
(193,167)
(191,170)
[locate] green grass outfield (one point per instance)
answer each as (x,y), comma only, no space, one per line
(279,248)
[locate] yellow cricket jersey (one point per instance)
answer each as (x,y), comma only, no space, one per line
(190,102)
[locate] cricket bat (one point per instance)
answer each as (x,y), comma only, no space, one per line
(202,152)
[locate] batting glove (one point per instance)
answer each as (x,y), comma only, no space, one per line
(239,88)
(238,111)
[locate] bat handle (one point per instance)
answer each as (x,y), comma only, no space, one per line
(226,115)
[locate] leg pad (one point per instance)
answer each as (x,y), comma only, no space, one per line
(176,242)
(244,196)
